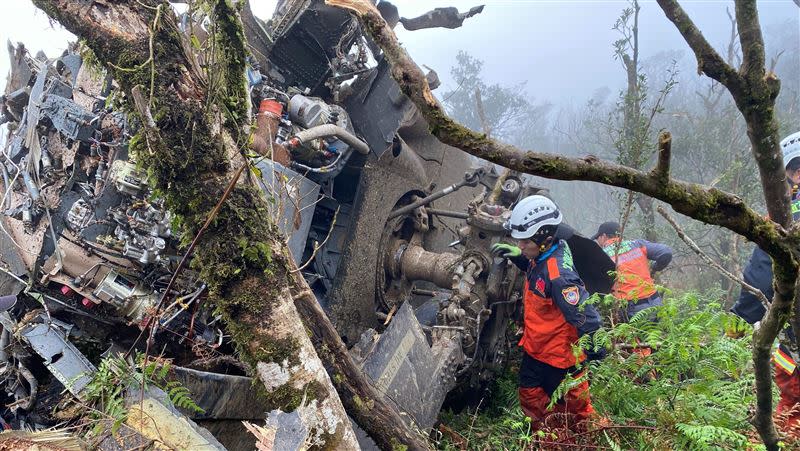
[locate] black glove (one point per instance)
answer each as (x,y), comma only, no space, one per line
(592,355)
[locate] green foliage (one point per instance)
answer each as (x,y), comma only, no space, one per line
(501,426)
(694,391)
(702,388)
(105,394)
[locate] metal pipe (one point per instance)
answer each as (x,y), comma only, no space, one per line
(470,179)
(448,214)
(326,130)
(6,184)
(324,169)
(5,339)
(31,400)
(32,188)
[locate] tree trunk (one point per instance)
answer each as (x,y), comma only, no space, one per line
(191,146)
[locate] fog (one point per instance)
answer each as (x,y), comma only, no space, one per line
(562,51)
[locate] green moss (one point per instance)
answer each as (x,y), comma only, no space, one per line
(363,405)
(285,397)
(231,44)
(397,446)
(330,441)
(288,398)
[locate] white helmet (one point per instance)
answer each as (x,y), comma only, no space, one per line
(530,215)
(790,146)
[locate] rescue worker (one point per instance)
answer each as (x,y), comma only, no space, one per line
(758,273)
(554,314)
(634,282)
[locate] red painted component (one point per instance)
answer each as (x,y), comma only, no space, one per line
(270,106)
(66,290)
(86,302)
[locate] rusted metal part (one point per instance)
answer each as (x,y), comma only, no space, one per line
(415,263)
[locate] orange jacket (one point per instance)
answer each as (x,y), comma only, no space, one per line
(554,318)
(634,281)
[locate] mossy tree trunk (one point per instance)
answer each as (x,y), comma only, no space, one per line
(754,91)
(191,142)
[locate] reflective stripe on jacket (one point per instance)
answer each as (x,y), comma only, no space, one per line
(554,318)
(634,280)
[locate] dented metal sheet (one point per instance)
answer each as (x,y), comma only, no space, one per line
(294,197)
(408,371)
(66,363)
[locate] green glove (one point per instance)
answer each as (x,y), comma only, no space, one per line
(504,250)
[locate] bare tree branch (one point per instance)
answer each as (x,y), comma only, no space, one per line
(754,92)
(708,60)
(693,246)
(750,38)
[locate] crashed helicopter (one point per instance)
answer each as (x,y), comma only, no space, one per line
(391,228)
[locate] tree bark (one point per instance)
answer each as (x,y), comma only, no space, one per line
(754,95)
(363,402)
(191,146)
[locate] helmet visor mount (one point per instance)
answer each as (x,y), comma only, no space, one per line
(532,231)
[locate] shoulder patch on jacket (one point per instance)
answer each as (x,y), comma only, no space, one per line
(571,295)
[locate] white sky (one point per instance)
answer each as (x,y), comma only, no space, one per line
(562,48)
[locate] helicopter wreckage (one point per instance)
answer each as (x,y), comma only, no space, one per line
(391,229)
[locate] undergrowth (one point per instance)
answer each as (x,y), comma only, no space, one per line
(694,392)
(105,395)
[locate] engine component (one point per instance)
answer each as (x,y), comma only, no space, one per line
(132,299)
(126,178)
(470,179)
(68,118)
(79,215)
(145,249)
(330,130)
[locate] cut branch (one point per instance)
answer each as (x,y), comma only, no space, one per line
(487,130)
(661,171)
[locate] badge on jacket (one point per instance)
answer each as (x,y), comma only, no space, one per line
(571,295)
(539,286)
